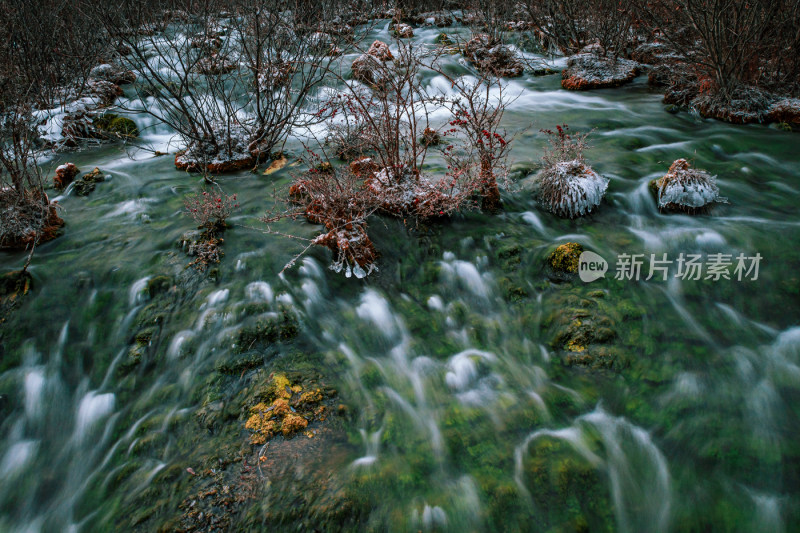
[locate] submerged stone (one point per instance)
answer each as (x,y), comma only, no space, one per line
(88,182)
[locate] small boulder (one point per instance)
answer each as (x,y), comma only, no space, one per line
(113,74)
(565,258)
(208,43)
(65,174)
(492,57)
(88,182)
(78,126)
(364,167)
(430,137)
(368,68)
(104,91)
(403,31)
(214,65)
(116,126)
(588,71)
(433,18)
(786,111)
(380,50)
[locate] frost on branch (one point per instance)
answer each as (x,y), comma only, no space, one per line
(404,192)
(337,199)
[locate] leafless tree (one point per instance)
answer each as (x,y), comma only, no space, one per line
(45,54)
(229,76)
(731,42)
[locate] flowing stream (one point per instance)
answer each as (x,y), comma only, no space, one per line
(465,414)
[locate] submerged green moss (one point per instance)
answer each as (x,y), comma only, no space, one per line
(116,125)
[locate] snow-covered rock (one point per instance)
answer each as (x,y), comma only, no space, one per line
(492,57)
(214,64)
(64,175)
(233,151)
(112,73)
(368,68)
(403,31)
(588,71)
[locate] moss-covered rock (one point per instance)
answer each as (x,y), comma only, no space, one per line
(267,330)
(88,182)
(565,258)
(571,493)
(13,286)
(157,285)
(444,40)
(116,125)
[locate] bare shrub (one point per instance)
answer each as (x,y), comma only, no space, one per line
(210,211)
(232,87)
(477,114)
(571,25)
(567,186)
(337,199)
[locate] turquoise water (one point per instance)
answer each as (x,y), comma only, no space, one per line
(464,405)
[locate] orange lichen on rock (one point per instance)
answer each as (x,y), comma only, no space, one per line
(261,424)
(293,423)
(286,410)
(309,397)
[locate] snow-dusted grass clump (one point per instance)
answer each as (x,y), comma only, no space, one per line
(687,189)
(567,186)
(571,188)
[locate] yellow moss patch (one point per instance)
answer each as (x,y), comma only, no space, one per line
(279,385)
(309,397)
(261,423)
(565,257)
(573,346)
(293,423)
